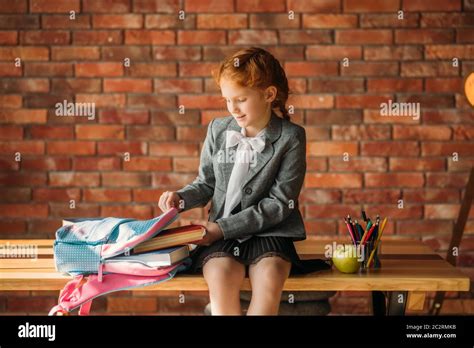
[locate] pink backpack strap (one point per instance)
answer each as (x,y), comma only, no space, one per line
(85,308)
(78,293)
(65,294)
(100,272)
(57,310)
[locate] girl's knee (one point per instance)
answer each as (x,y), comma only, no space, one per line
(272,268)
(223,270)
(269,275)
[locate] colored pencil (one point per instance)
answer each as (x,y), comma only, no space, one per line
(368,234)
(369,224)
(350,231)
(377,242)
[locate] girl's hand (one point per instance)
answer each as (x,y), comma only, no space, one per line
(213,232)
(168,200)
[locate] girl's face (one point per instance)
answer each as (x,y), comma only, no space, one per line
(249,106)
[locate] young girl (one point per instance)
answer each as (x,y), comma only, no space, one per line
(252,166)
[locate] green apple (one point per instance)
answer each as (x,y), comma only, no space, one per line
(346,259)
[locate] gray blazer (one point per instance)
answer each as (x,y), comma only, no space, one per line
(269,205)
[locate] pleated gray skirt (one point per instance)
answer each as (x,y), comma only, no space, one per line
(253,250)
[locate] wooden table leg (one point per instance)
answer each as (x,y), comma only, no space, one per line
(378,303)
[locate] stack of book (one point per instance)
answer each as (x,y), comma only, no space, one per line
(168,247)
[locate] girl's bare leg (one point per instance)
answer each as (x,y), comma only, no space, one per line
(224,277)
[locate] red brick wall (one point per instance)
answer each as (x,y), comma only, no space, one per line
(82,60)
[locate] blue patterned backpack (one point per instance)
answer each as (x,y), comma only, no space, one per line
(82,249)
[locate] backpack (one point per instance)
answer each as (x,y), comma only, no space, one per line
(83,248)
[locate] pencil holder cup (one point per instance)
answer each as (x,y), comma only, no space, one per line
(375,263)
(364,252)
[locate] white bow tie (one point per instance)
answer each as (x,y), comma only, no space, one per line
(233,138)
(241,166)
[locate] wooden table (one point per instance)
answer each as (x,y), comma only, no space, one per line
(409,270)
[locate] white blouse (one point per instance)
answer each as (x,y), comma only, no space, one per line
(244,157)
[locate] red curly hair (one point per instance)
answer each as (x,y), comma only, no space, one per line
(256,67)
